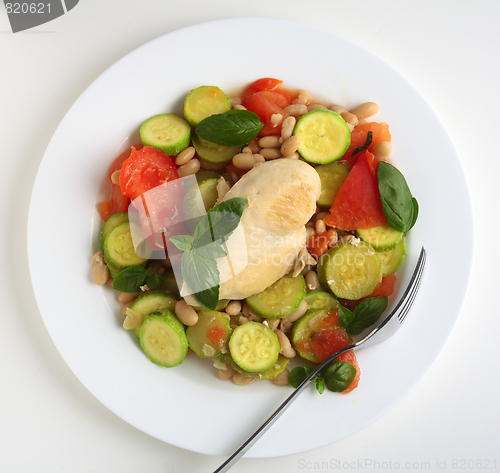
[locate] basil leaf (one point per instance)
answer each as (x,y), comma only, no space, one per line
(219,222)
(367,313)
(154,281)
(297,376)
(131,279)
(368,142)
(182,242)
(346,317)
(398,205)
(202,278)
(339,375)
(212,250)
(320,385)
(232,128)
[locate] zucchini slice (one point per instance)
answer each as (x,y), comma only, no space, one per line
(321,300)
(303,330)
(167,132)
(119,248)
(332,176)
(324,136)
(111,223)
(279,299)
(151,302)
(391,259)
(205,101)
(254,347)
(382,238)
(213,153)
(210,335)
(271,373)
(351,271)
(163,339)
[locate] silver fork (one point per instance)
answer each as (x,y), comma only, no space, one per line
(389,325)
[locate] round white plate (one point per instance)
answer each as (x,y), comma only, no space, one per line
(188,406)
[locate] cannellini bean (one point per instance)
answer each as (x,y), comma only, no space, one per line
(100,271)
(241,380)
(270,153)
(338,108)
(125,297)
(287,127)
(296,109)
(303,98)
(312,281)
(115,177)
(185,313)
(297,313)
(185,156)
(320,226)
(382,150)
(226,374)
(270,142)
(290,145)
(286,348)
(316,106)
(281,379)
(233,308)
(350,118)
(244,161)
(190,168)
(365,110)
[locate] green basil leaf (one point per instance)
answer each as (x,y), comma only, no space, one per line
(339,375)
(202,278)
(182,242)
(367,313)
(415,213)
(297,376)
(368,142)
(232,128)
(398,205)
(212,250)
(219,222)
(346,317)
(131,279)
(154,281)
(320,385)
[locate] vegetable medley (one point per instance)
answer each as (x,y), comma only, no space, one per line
(277,242)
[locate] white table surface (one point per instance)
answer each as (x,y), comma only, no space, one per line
(449,49)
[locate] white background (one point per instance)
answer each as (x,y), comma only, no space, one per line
(449,49)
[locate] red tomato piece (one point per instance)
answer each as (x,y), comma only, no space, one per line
(329,340)
(380,132)
(350,357)
(118,202)
(145,169)
(357,204)
(265,99)
(319,244)
(217,335)
(385,287)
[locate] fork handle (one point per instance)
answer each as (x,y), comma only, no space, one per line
(276,414)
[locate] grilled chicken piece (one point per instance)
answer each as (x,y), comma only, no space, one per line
(281,197)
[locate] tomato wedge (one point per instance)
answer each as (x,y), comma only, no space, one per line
(118,202)
(264,98)
(357,203)
(145,169)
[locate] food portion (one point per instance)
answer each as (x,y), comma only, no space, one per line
(278,241)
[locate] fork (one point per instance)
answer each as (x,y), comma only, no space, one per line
(381,332)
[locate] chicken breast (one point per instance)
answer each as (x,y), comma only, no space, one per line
(281,197)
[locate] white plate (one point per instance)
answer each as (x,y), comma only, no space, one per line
(188,406)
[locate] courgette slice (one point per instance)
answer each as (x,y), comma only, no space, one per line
(332,176)
(271,373)
(321,300)
(205,101)
(279,299)
(391,259)
(166,132)
(119,248)
(111,223)
(210,335)
(254,347)
(303,330)
(151,302)
(382,237)
(206,188)
(324,136)
(351,271)
(213,153)
(163,339)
